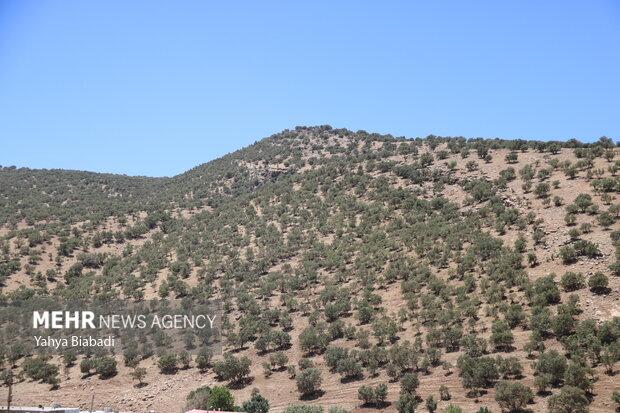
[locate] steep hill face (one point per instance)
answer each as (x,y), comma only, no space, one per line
(473,269)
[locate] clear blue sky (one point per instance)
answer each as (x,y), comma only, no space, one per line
(156,87)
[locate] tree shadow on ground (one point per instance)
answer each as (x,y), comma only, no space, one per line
(240,384)
(312,396)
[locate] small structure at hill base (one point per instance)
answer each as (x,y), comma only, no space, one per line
(40,409)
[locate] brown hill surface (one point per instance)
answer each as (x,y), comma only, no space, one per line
(402,251)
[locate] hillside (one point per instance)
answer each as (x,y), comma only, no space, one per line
(435,265)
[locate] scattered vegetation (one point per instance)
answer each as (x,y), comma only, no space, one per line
(380,260)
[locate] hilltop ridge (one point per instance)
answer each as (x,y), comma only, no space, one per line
(231,174)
